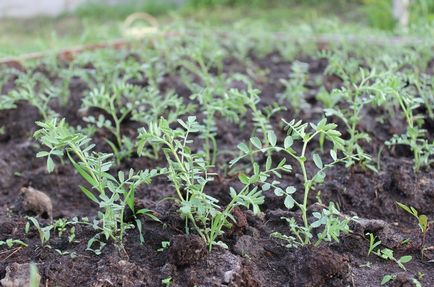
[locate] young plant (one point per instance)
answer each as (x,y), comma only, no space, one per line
(297,131)
(44,232)
(33,88)
(213,104)
(260,117)
(386,253)
(11,242)
(117,102)
(354,101)
(122,100)
(189,175)
(295,90)
(415,136)
(113,194)
(340,64)
(201,57)
(423,223)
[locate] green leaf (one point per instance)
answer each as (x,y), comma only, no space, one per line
(42,154)
(50,164)
(288,142)
(148,213)
(405,259)
(243,147)
(268,163)
(82,172)
(266,186)
(289,202)
(256,142)
(405,207)
(290,190)
(272,139)
(317,160)
(89,194)
(278,191)
(386,279)
(423,222)
(244,178)
(333,154)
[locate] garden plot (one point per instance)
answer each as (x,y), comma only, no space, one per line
(214,159)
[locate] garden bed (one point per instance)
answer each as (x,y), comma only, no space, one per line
(368,189)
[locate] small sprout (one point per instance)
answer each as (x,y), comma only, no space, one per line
(164,246)
(386,253)
(11,242)
(372,243)
(167,281)
(387,279)
(44,232)
(423,223)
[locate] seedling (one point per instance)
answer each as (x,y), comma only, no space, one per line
(386,253)
(201,57)
(341,65)
(260,117)
(189,175)
(121,100)
(333,222)
(387,279)
(294,93)
(423,223)
(114,195)
(44,232)
(33,88)
(297,131)
(355,99)
(164,246)
(11,242)
(112,102)
(230,105)
(415,136)
(167,281)
(372,243)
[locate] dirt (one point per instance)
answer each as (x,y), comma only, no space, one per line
(253,257)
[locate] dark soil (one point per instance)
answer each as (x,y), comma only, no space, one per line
(253,257)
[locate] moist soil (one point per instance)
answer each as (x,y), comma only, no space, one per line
(253,257)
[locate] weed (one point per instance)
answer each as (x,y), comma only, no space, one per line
(164,246)
(35,278)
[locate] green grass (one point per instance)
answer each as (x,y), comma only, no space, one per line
(51,34)
(94,23)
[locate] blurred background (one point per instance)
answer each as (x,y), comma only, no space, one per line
(45,25)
